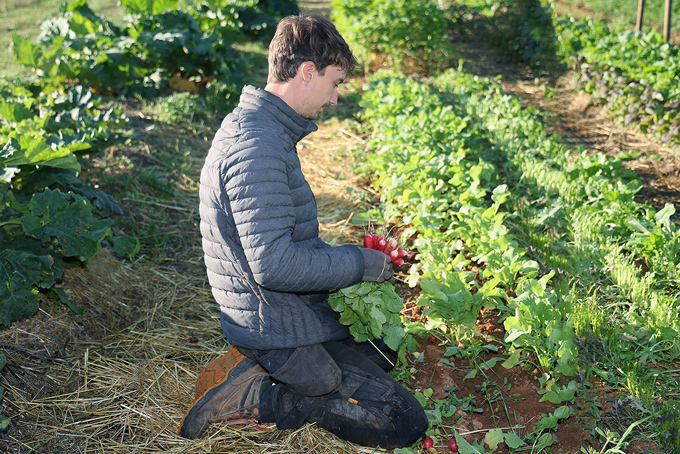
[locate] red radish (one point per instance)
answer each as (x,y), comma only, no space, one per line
(432,338)
(460,345)
(391,245)
(427,442)
(453,446)
(388,245)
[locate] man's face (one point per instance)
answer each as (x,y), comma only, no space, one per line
(322,92)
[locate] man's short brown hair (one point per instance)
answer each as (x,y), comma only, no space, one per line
(307,37)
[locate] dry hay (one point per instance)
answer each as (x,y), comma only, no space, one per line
(327,164)
(119,377)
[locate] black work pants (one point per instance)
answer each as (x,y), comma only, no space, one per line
(339,388)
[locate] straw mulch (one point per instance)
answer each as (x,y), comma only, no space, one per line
(119,377)
(340,194)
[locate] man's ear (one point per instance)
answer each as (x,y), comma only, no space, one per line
(307,70)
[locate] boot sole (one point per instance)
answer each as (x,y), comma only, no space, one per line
(189,428)
(216,372)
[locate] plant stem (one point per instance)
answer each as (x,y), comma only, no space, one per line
(379,351)
(11,222)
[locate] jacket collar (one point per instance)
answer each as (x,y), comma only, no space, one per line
(298,126)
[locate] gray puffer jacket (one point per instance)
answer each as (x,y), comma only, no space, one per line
(267,267)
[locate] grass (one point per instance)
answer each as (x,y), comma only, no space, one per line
(24,18)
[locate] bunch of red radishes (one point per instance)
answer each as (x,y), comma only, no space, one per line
(386,244)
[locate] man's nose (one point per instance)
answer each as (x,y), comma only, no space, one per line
(334,98)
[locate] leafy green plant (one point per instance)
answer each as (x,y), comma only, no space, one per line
(537,325)
(46,128)
(51,218)
(371,310)
(39,239)
(156,44)
(524,31)
(411,35)
(542,438)
(612,442)
(619,68)
(449,306)
(178,107)
(438,410)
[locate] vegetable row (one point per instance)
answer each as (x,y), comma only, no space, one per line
(505,217)
(635,75)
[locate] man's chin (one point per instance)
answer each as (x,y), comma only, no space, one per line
(312,116)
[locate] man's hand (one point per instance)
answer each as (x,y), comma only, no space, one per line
(377,266)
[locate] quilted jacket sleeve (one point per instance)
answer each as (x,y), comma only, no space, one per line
(275,215)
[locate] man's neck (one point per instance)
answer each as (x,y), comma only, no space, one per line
(285,91)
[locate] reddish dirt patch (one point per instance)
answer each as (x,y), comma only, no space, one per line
(494,398)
